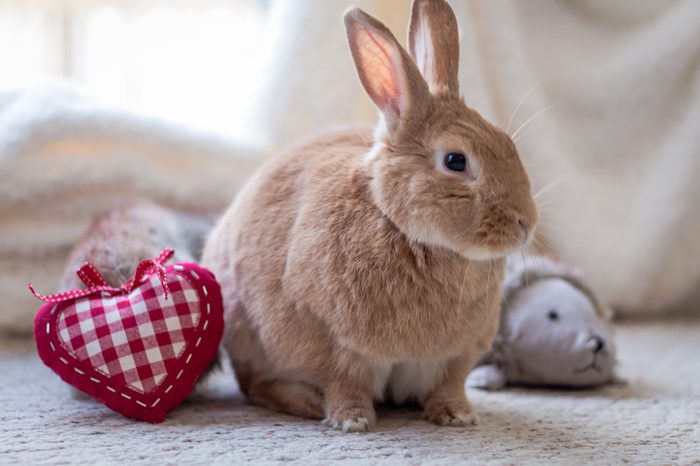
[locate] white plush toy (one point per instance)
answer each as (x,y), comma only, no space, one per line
(553,331)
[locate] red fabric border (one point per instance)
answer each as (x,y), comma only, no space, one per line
(153,406)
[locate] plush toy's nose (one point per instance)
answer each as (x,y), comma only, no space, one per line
(596,344)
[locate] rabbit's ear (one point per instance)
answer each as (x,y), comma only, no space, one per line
(387,72)
(433,39)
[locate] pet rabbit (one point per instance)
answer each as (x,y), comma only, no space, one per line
(367,265)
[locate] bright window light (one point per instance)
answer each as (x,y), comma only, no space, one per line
(186,60)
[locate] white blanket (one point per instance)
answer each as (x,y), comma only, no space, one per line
(617,151)
(64,159)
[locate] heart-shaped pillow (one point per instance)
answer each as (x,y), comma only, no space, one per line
(140,348)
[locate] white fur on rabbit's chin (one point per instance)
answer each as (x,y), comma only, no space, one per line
(483,255)
(424,235)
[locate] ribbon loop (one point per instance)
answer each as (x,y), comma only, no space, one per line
(89,275)
(95,282)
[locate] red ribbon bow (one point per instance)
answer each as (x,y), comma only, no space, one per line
(96,283)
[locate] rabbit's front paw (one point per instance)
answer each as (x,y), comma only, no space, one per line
(451,414)
(350,419)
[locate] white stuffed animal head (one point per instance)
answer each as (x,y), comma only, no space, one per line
(556,336)
(553,332)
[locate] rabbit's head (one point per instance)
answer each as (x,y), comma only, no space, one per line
(440,172)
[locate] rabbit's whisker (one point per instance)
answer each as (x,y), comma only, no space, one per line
(543,246)
(464,282)
(488,279)
(522,101)
(548,187)
(533,117)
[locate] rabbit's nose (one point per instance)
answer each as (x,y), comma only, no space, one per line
(596,344)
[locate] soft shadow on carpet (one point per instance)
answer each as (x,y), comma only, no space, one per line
(653,419)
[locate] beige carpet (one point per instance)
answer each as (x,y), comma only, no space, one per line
(654,419)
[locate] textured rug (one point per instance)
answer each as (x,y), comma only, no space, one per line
(653,419)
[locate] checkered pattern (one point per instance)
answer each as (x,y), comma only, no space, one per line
(134,338)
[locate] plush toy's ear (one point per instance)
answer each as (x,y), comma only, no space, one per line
(488,377)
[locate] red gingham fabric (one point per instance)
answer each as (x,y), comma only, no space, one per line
(138,348)
(134,338)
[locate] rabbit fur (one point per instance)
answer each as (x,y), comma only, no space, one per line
(357,267)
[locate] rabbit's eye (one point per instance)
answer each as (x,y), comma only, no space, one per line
(456,162)
(553,315)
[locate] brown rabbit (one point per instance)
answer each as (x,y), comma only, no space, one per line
(366,266)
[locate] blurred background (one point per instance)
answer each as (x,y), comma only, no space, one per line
(177,59)
(103,102)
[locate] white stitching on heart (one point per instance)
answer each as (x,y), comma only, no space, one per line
(187,361)
(195,287)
